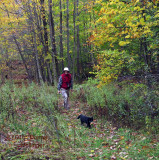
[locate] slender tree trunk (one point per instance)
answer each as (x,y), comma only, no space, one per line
(32,23)
(22,57)
(158,63)
(90,46)
(61,44)
(36,58)
(45,53)
(78,41)
(45,25)
(68,36)
(43,37)
(146,53)
(29,60)
(51,20)
(53,46)
(84,47)
(144,50)
(74,47)
(46,47)
(8,64)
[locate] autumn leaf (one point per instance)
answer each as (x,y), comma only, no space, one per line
(121,137)
(145,147)
(123,43)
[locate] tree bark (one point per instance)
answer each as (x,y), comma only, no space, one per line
(78,41)
(22,57)
(61,44)
(45,25)
(46,47)
(158,62)
(74,38)
(53,46)
(32,23)
(68,36)
(36,58)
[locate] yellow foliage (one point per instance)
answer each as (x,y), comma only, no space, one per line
(111,45)
(157,15)
(109,66)
(102,10)
(110,25)
(98,1)
(123,43)
(116,14)
(128,36)
(137,8)
(142,21)
(131,59)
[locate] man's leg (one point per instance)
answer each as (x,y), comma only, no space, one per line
(67,105)
(65,97)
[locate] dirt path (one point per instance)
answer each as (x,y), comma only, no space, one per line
(92,141)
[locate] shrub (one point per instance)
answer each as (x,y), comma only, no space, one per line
(127,103)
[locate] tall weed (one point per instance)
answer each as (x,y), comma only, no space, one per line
(132,104)
(20,107)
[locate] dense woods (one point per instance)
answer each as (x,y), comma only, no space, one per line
(112,50)
(115,37)
(47,35)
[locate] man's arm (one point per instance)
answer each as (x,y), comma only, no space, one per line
(60,83)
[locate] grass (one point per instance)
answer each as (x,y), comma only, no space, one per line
(106,142)
(38,111)
(127,103)
(27,111)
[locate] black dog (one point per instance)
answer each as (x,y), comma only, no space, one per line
(85,119)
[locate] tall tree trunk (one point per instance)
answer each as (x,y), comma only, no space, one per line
(35,22)
(32,24)
(68,36)
(43,37)
(74,47)
(22,57)
(158,62)
(9,63)
(78,41)
(144,50)
(90,45)
(146,53)
(53,46)
(45,25)
(61,44)
(46,48)
(28,58)
(36,58)
(51,20)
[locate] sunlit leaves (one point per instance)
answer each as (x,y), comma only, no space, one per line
(10,19)
(110,65)
(121,19)
(121,25)
(123,43)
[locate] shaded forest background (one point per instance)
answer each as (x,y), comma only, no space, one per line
(109,39)
(47,35)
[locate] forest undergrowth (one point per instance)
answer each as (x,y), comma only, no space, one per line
(34,125)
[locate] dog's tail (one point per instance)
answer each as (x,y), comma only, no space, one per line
(78,116)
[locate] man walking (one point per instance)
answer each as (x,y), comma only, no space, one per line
(64,85)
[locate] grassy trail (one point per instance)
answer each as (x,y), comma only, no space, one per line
(103,141)
(34,113)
